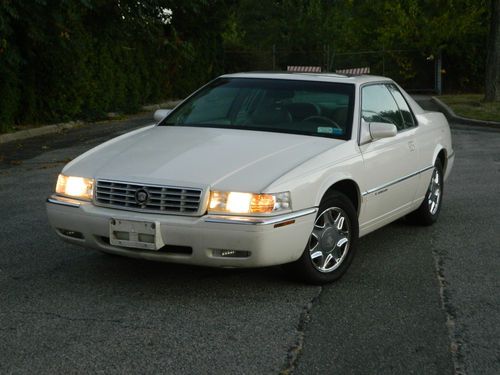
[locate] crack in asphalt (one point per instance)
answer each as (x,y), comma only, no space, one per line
(455,337)
(295,350)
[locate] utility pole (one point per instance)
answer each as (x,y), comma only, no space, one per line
(492,83)
(383,60)
(438,82)
(274,57)
(326,52)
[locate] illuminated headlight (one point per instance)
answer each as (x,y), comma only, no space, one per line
(248,203)
(75,187)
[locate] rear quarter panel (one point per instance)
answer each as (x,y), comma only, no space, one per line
(433,136)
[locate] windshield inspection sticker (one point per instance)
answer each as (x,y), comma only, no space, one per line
(329,130)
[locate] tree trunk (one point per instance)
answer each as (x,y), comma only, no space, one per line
(492,84)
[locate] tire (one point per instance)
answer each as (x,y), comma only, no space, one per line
(428,212)
(332,243)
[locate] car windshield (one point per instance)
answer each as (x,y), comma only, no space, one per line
(288,106)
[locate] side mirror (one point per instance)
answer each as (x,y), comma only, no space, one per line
(382,130)
(371,131)
(160,114)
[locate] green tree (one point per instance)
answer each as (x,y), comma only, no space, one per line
(423,28)
(68,59)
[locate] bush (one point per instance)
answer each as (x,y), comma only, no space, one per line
(70,60)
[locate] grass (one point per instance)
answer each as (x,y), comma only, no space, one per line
(472,106)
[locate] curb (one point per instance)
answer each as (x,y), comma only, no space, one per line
(35,132)
(167,104)
(452,117)
(56,128)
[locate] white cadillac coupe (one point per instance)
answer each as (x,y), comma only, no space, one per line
(260,169)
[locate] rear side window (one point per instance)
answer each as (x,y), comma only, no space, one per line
(403,106)
(378,105)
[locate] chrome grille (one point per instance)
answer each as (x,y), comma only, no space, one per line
(161,199)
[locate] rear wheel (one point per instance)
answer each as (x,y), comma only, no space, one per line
(331,245)
(428,212)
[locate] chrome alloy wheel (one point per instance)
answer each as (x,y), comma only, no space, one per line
(330,239)
(434,194)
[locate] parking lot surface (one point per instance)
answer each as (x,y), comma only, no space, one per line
(422,300)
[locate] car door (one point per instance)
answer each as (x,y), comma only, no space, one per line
(390,163)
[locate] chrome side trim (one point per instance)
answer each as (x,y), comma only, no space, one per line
(451,155)
(396,181)
(247,220)
(63,201)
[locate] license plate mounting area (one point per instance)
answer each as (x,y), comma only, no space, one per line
(144,235)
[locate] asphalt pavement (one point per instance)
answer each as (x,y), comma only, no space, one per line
(422,300)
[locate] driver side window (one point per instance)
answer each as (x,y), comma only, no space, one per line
(378,105)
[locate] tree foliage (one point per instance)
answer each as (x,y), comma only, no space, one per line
(67,59)
(454,28)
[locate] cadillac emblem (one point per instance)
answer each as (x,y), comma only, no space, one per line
(141,196)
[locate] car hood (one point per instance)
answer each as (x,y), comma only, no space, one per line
(225,159)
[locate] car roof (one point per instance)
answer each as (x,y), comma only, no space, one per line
(320,77)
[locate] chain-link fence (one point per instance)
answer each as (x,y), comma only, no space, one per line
(414,70)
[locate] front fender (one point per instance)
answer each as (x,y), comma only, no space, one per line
(337,179)
(309,187)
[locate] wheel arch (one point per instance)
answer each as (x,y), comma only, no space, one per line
(349,188)
(441,155)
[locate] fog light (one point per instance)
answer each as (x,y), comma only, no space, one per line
(71,233)
(227,253)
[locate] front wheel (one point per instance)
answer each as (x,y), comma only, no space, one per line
(331,245)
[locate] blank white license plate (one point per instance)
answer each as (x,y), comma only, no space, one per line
(136,234)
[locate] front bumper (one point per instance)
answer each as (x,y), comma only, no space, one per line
(190,240)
